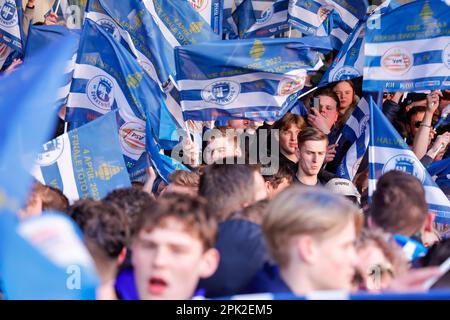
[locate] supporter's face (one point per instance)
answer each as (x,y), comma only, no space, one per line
(311,157)
(168,262)
(345,93)
(288,139)
(220,148)
(415,121)
(374,268)
(259,187)
(328,108)
(335,260)
(240,124)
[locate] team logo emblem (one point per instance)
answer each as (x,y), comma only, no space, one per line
(265,16)
(110,27)
(132,138)
(50,153)
(291,85)
(345,73)
(396,61)
(199,5)
(8,13)
(100,92)
(446,56)
(405,163)
(363,124)
(221,92)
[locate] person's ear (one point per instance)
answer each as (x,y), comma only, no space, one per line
(305,249)
(210,263)
(122,256)
(268,187)
(428,224)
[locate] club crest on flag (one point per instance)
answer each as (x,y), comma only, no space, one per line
(426,14)
(345,73)
(446,56)
(407,164)
(199,5)
(396,61)
(51,151)
(132,137)
(266,15)
(289,86)
(257,50)
(100,92)
(8,14)
(110,27)
(221,92)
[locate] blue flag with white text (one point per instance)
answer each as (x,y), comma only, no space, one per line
(388,151)
(410,54)
(86,162)
(257,79)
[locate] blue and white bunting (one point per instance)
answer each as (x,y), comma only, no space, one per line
(409,54)
(388,151)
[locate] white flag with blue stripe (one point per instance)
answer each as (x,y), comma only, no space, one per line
(410,54)
(253,79)
(349,63)
(357,132)
(388,151)
(336,18)
(211,11)
(11,32)
(81,164)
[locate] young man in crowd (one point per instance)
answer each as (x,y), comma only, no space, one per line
(277,182)
(105,230)
(44,198)
(311,152)
(173,249)
(222,142)
(231,187)
(310,233)
(399,208)
(185,182)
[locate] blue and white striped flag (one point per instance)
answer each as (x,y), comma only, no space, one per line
(84,163)
(410,54)
(39,37)
(357,132)
(11,30)
(107,77)
(349,62)
(211,11)
(5,51)
(257,19)
(388,151)
(253,79)
(336,18)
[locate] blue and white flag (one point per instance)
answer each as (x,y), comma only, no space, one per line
(253,79)
(70,11)
(11,30)
(441,170)
(39,37)
(211,11)
(257,19)
(357,132)
(229,27)
(27,97)
(44,258)
(349,62)
(336,18)
(86,162)
(5,51)
(410,54)
(107,77)
(388,151)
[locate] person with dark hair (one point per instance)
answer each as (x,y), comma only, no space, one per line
(346,92)
(105,230)
(278,181)
(399,207)
(172,250)
(325,117)
(231,187)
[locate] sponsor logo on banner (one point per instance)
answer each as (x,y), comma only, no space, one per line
(397,61)
(345,73)
(221,92)
(100,91)
(50,153)
(199,5)
(405,163)
(132,137)
(446,56)
(110,27)
(266,15)
(289,86)
(8,13)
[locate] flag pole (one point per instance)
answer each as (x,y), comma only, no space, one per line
(57,6)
